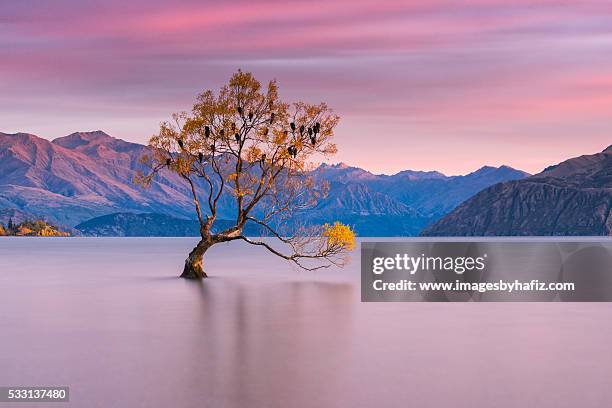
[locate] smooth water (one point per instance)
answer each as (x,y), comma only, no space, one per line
(109,318)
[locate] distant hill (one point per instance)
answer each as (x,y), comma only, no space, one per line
(571,198)
(90,174)
(150,225)
(38,228)
(18,217)
(138,225)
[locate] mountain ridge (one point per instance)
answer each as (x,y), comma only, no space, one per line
(84,175)
(573,197)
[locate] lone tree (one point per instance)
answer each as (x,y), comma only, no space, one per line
(246,144)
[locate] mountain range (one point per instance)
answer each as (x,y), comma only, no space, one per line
(87,175)
(571,198)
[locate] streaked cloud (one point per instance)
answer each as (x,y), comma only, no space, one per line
(524,84)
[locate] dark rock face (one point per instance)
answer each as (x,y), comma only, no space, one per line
(571,198)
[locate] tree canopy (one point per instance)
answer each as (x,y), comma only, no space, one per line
(245,142)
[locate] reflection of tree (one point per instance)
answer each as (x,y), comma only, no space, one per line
(274,346)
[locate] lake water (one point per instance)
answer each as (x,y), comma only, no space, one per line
(109,318)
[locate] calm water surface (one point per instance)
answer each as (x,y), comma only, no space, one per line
(109,318)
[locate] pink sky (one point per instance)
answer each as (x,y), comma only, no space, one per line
(428,84)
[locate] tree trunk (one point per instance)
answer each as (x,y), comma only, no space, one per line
(193,264)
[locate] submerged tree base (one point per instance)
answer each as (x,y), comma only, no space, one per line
(193,264)
(193,271)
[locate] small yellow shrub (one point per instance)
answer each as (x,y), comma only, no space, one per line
(339,234)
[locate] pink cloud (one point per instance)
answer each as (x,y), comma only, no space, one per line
(448,71)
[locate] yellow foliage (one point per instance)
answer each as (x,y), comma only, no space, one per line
(339,234)
(37,229)
(253,153)
(21,230)
(2,230)
(182,165)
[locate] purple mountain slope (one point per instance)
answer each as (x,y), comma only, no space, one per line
(80,176)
